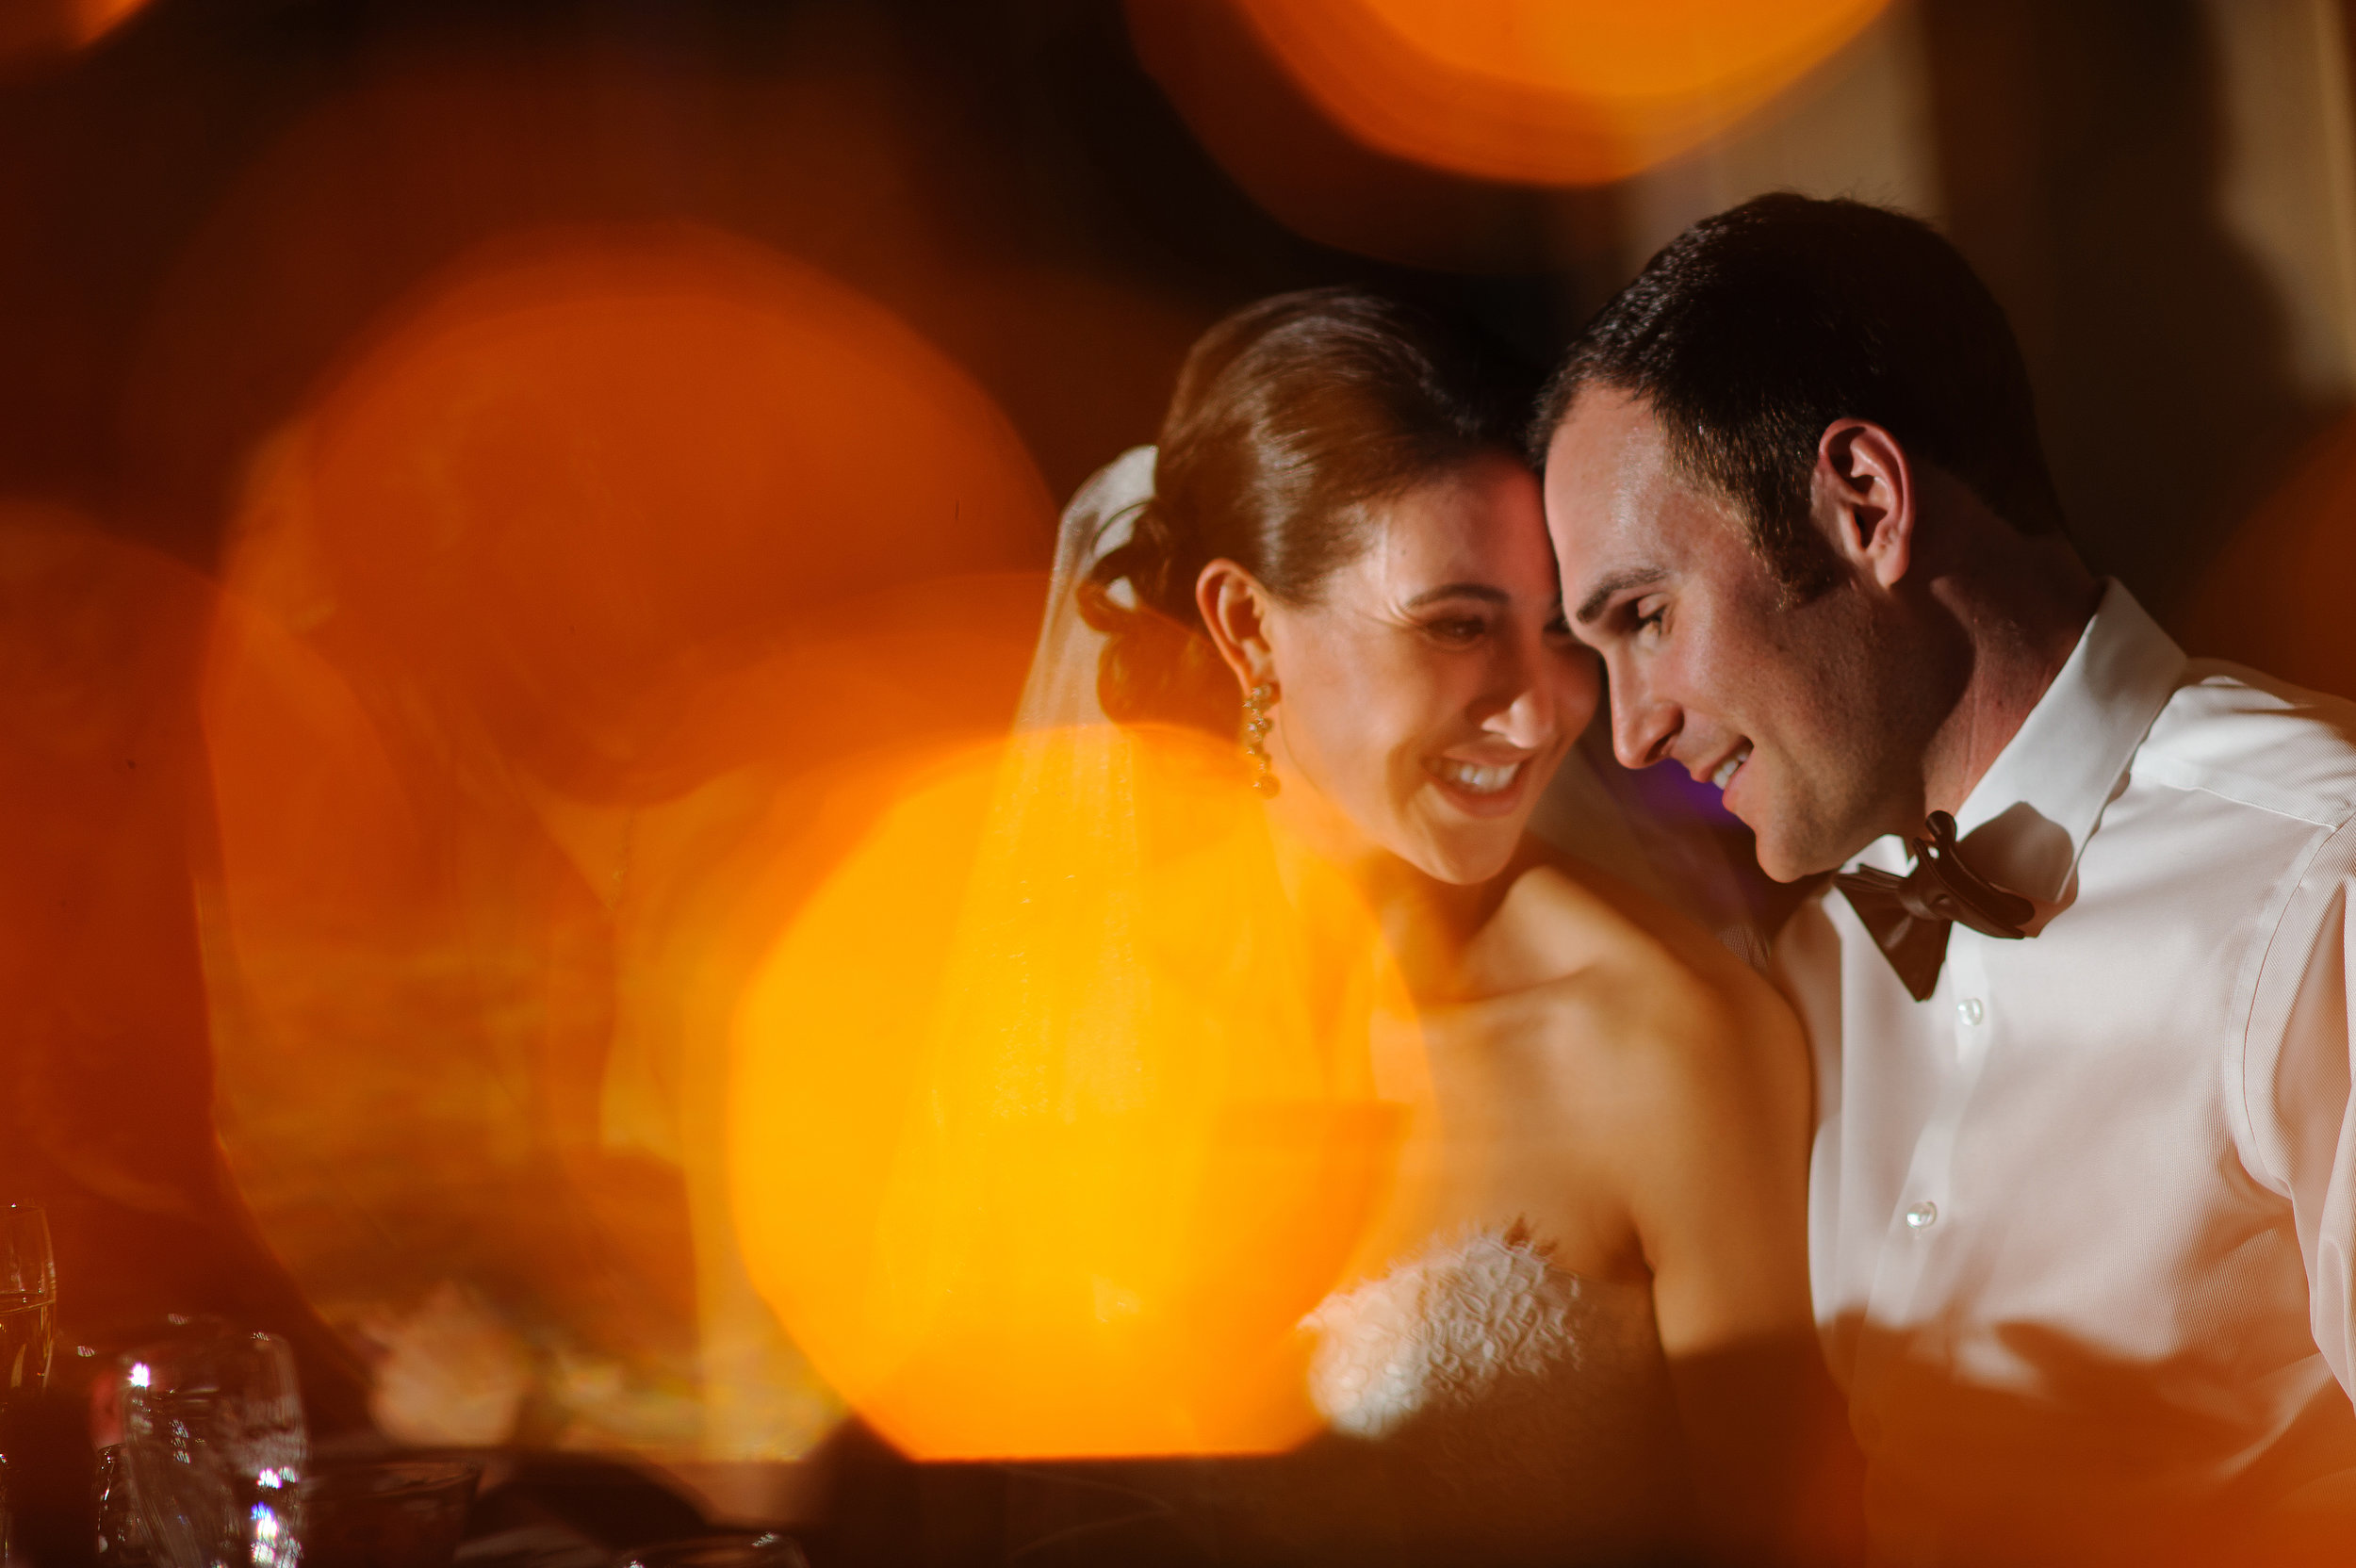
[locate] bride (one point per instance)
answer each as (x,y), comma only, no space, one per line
(1595,1328)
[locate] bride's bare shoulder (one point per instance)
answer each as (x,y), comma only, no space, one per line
(1627,984)
(1562,920)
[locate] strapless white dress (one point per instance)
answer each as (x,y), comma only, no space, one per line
(1487,1406)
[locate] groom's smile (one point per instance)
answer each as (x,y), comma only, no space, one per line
(1711,663)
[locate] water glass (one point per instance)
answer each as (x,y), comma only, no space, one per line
(28,1309)
(213,1436)
(122,1533)
(29,1299)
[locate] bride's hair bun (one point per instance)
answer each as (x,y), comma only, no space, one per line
(1290,418)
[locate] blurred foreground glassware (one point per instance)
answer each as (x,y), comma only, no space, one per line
(28,1297)
(28,1311)
(213,1436)
(122,1533)
(767,1550)
(391,1513)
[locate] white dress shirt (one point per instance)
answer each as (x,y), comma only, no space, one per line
(2082,1223)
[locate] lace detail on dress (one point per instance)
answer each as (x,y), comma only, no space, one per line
(1485,1401)
(1444,1331)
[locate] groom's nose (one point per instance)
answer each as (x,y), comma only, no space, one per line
(1641,726)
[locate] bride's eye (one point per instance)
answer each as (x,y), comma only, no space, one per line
(1456,630)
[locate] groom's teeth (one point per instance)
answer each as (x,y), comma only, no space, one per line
(1726,770)
(1479,780)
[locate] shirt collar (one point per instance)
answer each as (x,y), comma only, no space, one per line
(2027,821)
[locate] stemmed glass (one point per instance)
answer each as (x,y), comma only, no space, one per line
(212,1430)
(29,1299)
(28,1311)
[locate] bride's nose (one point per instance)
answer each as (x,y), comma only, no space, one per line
(1525,708)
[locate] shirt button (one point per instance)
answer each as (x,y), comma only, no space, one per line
(1970,1010)
(1923,1215)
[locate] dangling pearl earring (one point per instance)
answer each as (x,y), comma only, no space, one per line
(1255,728)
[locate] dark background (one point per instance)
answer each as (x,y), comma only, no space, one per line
(202,215)
(2077,144)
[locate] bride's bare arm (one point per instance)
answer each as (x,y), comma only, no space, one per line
(1685,1102)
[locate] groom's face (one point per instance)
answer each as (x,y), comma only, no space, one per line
(1785,707)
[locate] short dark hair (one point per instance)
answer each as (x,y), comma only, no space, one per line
(1290,418)
(1755,329)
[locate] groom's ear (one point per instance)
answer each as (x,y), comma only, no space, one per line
(1863,495)
(1234,609)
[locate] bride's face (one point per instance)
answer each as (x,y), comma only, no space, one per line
(1428,694)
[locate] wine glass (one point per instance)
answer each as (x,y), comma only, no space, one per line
(28,1311)
(212,1431)
(29,1299)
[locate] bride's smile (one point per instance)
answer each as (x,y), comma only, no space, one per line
(1481,787)
(1424,695)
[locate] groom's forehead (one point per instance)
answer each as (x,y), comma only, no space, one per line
(1609,460)
(1617,500)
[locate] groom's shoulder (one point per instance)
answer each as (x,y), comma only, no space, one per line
(2235,733)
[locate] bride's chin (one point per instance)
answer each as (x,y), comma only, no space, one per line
(1466,859)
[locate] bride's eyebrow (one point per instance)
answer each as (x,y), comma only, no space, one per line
(1459,591)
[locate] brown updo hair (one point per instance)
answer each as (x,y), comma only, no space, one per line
(1291,418)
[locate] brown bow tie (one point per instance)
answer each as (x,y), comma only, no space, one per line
(1909,915)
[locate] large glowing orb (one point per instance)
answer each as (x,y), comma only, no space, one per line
(1548,92)
(1052,1112)
(32,27)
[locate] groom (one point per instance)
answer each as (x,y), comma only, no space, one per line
(2084,1184)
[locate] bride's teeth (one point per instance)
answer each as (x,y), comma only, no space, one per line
(1479,780)
(1724,775)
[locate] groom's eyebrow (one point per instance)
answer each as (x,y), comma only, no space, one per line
(1618,582)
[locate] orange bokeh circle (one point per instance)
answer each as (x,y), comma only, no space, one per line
(596,470)
(1556,92)
(1053,1116)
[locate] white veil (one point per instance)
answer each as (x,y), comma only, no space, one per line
(1061,690)
(1578,813)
